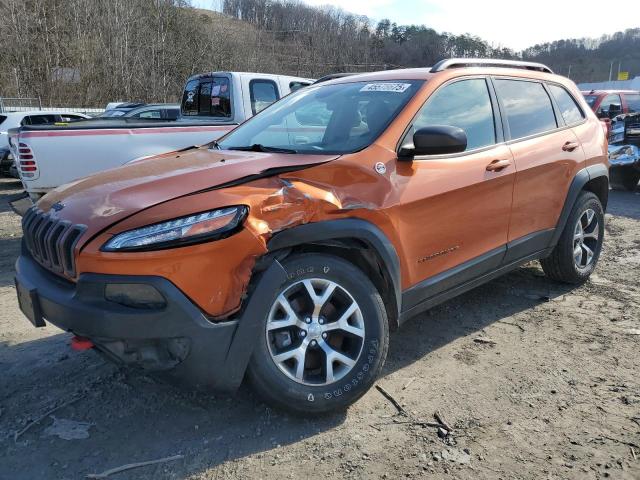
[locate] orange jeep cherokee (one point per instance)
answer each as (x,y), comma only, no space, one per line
(289,249)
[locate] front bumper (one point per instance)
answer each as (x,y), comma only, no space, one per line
(624,156)
(177,339)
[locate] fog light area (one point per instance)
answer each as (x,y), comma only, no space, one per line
(135,295)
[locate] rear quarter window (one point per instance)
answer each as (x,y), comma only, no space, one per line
(527,107)
(2,119)
(569,109)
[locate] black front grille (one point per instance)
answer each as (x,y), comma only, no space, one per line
(51,241)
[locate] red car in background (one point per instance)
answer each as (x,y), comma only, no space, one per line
(609,103)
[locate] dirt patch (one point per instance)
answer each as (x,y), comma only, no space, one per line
(536,379)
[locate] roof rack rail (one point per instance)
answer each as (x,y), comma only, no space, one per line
(332,76)
(487,62)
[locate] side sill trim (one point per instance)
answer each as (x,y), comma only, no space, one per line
(464,287)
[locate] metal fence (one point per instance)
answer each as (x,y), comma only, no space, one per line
(29,104)
(8,104)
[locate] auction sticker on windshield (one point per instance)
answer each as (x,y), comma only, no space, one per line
(385,87)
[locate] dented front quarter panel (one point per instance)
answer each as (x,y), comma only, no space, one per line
(215,275)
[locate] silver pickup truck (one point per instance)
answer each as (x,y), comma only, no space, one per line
(212,104)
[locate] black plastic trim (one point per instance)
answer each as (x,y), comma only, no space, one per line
(449,283)
(348,228)
(451,278)
(469,285)
(524,246)
(577,185)
(218,352)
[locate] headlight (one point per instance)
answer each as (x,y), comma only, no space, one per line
(196,228)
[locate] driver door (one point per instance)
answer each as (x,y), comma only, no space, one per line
(454,209)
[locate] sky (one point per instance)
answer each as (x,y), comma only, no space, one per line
(514,24)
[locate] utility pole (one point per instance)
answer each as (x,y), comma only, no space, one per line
(569,73)
(610,70)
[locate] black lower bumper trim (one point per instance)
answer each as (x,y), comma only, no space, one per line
(209,355)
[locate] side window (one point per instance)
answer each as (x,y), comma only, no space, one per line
(150,114)
(263,93)
(171,113)
(570,111)
(605,105)
(208,97)
(293,86)
(633,101)
(40,119)
(527,107)
(70,118)
(465,104)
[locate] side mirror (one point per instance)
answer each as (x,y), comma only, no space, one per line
(436,140)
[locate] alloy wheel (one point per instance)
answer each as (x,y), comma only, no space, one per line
(585,239)
(315,332)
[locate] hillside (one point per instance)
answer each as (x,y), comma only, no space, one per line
(87,53)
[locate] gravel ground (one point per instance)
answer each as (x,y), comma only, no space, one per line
(536,379)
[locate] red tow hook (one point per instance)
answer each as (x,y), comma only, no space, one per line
(81,343)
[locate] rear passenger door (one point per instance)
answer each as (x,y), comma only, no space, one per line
(538,125)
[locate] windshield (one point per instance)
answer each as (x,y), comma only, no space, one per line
(591,100)
(335,119)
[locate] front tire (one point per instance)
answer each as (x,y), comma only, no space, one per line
(324,340)
(575,256)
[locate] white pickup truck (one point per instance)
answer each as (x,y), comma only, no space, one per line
(212,104)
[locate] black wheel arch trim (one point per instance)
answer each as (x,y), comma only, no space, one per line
(578,184)
(347,228)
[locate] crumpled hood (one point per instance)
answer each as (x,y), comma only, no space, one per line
(108,197)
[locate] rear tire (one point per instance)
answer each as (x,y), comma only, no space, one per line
(576,254)
(624,179)
(325,339)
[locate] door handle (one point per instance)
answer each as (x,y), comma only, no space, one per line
(498,165)
(570,146)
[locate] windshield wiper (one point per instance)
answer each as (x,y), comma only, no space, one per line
(258,147)
(214,145)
